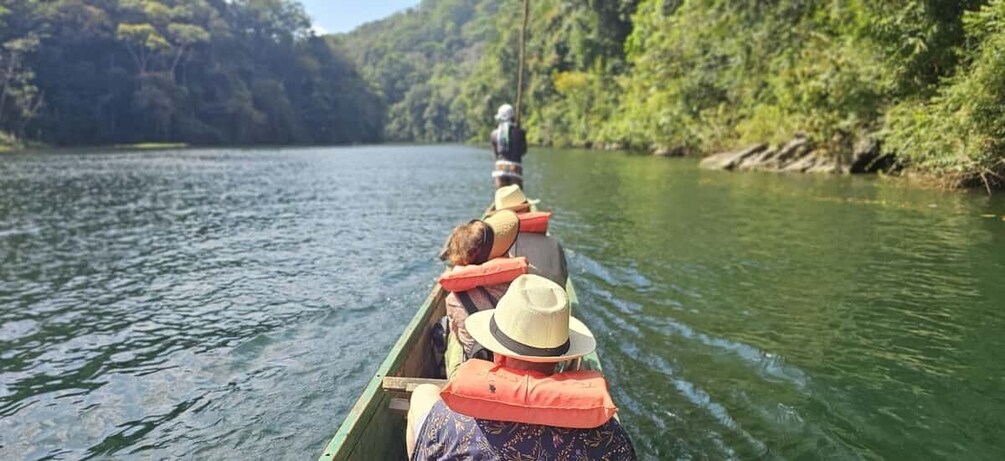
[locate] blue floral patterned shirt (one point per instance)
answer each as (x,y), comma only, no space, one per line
(447,435)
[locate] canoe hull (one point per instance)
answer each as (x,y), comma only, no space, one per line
(372,430)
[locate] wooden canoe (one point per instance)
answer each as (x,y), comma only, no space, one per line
(375,426)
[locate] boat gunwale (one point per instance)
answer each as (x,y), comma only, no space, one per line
(359,416)
(358,420)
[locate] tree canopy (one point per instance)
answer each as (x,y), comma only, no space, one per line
(198,71)
(922,77)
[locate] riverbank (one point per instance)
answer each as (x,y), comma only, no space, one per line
(802,155)
(10,144)
(153,146)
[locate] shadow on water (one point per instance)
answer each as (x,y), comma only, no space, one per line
(207,303)
(793,317)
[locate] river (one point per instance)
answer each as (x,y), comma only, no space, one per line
(221,304)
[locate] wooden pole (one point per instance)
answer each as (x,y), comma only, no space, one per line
(523,58)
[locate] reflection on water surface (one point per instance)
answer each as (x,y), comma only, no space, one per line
(194,303)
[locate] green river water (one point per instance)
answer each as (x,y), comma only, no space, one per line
(225,304)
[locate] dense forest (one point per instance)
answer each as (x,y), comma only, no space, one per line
(78,72)
(923,79)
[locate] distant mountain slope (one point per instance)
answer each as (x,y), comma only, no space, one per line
(419,60)
(923,77)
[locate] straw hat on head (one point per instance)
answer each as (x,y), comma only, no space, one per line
(511,198)
(501,231)
(503,228)
(532,322)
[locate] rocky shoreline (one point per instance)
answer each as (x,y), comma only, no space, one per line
(802,156)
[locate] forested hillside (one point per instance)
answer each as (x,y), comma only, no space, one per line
(420,61)
(925,79)
(199,71)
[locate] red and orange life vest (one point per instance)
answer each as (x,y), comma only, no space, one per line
(493,272)
(535,222)
(574,399)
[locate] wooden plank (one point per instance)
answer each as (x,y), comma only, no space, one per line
(407,384)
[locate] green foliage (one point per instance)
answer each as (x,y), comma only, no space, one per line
(7,142)
(445,66)
(960,133)
(710,75)
(419,60)
(705,76)
(20,99)
(692,76)
(191,71)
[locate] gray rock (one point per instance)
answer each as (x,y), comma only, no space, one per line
(730,160)
(823,163)
(762,161)
(825,166)
(716,161)
(868,157)
(865,153)
(664,151)
(794,150)
(802,164)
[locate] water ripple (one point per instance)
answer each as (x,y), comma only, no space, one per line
(188,304)
(791,317)
(178,304)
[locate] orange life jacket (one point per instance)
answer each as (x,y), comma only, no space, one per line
(493,272)
(574,399)
(534,222)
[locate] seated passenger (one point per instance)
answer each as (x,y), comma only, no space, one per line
(510,198)
(530,333)
(544,253)
(475,243)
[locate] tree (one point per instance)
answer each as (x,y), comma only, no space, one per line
(20,99)
(199,71)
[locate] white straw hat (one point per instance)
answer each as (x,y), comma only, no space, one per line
(511,198)
(532,322)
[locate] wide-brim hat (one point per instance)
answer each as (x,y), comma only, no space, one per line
(532,322)
(503,229)
(510,198)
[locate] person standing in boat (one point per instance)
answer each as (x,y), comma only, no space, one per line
(519,407)
(509,144)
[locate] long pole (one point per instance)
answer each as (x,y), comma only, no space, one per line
(523,58)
